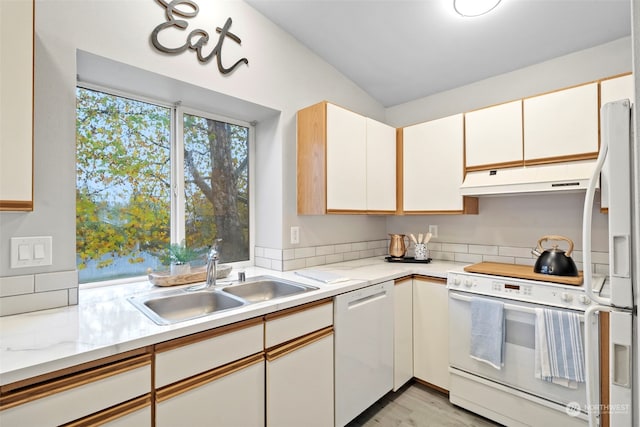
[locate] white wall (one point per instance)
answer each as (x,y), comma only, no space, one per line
(515,220)
(281,75)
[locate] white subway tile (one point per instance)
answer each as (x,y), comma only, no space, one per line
(293,264)
(325,250)
(262,262)
(470,258)
(73,296)
(435,246)
(316,260)
(367,254)
(348,256)
(502,259)
(59,280)
(526,261)
(305,252)
(512,251)
(455,247)
(288,254)
(335,258)
(373,244)
(33,302)
(258,252)
(273,253)
(602,269)
(359,246)
(599,257)
(276,264)
(345,247)
(380,251)
(17,285)
(483,249)
(443,256)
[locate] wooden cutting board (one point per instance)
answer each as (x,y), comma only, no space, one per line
(522,272)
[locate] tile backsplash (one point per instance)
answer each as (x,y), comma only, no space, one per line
(292,259)
(33,292)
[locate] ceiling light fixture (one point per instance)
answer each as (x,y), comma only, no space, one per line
(472,8)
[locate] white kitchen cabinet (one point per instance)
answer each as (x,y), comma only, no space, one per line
(403,332)
(299,382)
(381,167)
(493,137)
(135,413)
(346,159)
(430,331)
(78,392)
(16,105)
(562,125)
(613,90)
(345,162)
(231,395)
(432,167)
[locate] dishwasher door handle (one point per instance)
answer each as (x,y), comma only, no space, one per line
(366,299)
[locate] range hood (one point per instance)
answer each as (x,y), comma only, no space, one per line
(570,176)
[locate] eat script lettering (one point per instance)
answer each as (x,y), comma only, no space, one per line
(198,38)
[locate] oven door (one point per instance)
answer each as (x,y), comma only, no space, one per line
(518,371)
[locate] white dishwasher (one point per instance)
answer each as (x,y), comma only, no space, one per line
(363,325)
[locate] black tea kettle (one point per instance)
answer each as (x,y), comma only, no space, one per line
(554,261)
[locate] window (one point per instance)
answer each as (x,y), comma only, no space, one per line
(131,154)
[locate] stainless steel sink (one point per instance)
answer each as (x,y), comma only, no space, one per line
(177,306)
(265,288)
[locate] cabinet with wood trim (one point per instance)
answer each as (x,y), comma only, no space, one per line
(299,372)
(345,162)
(493,137)
(614,89)
(82,393)
(430,331)
(217,373)
(403,332)
(16,105)
(561,125)
(432,167)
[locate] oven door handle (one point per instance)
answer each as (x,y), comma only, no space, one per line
(507,306)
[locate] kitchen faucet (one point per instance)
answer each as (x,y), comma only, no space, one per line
(212,268)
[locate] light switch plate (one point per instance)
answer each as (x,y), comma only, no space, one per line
(31,251)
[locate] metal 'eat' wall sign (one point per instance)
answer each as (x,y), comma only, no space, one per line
(198,38)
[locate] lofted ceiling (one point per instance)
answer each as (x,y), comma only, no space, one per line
(401,50)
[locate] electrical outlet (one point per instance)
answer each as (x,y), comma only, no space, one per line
(433,229)
(295,235)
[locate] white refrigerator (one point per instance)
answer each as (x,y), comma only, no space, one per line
(619,163)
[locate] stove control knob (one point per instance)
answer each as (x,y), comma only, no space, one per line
(566,297)
(468,283)
(456,281)
(584,299)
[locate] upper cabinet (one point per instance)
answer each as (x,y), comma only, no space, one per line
(493,137)
(562,125)
(346,162)
(432,168)
(16,105)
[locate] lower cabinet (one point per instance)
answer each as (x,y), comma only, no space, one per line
(403,332)
(300,382)
(229,396)
(430,331)
(115,391)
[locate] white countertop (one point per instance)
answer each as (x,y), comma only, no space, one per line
(105,323)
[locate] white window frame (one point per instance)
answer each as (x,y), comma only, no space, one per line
(177,225)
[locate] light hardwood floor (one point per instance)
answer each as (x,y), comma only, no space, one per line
(416,405)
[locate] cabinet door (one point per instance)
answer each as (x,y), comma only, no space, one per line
(231,396)
(430,331)
(613,90)
(562,125)
(381,167)
(16,105)
(493,136)
(346,160)
(300,382)
(432,165)
(403,332)
(134,413)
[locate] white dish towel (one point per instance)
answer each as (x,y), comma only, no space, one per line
(559,349)
(487,331)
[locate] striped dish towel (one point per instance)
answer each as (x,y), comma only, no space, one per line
(559,350)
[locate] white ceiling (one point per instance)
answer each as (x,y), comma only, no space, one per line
(401,50)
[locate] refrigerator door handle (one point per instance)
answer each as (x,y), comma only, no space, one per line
(620,255)
(621,365)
